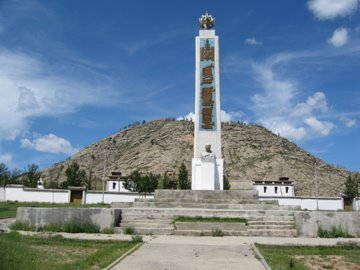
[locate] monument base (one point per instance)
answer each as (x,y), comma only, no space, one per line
(207,174)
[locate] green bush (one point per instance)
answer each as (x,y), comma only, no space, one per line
(21,226)
(217,232)
(51,228)
(335,232)
(137,238)
(108,231)
(129,230)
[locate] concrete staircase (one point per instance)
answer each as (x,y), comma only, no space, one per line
(156,216)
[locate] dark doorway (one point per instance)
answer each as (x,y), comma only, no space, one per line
(348,204)
(76,197)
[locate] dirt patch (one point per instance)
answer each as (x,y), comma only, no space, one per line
(62,254)
(317,262)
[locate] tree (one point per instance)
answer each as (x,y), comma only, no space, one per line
(4,174)
(352,186)
(141,184)
(132,181)
(88,180)
(32,176)
(164,182)
(227,185)
(183,179)
(4,177)
(148,183)
(74,176)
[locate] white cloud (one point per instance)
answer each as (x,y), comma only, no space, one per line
(319,127)
(252,41)
(51,144)
(189,117)
(281,126)
(330,9)
(348,122)
(278,108)
(316,102)
(30,88)
(339,37)
(5,158)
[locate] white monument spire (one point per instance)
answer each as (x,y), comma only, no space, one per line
(207,164)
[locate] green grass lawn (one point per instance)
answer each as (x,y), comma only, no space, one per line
(300,257)
(40,253)
(8,209)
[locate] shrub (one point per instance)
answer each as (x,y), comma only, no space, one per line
(74,226)
(291,263)
(21,226)
(129,230)
(335,232)
(217,232)
(137,238)
(108,231)
(50,228)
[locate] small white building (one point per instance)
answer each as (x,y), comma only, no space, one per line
(115,183)
(279,188)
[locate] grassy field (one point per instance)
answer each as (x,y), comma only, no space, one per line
(8,209)
(29,252)
(300,258)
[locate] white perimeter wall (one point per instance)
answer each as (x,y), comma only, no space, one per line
(21,194)
(309,203)
(109,197)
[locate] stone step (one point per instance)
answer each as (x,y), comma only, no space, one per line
(121,205)
(208,233)
(143,200)
(247,206)
(148,221)
(203,226)
(194,212)
(272,233)
(145,224)
(179,211)
(263,222)
(147,231)
(204,195)
(260,220)
(271,227)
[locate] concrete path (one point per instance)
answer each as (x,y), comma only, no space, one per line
(5,223)
(192,253)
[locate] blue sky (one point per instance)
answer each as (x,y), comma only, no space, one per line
(73,72)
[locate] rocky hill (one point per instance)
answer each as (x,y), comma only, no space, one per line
(250,152)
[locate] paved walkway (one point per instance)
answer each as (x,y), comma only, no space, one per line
(192,253)
(5,223)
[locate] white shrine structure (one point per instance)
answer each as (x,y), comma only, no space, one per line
(207,164)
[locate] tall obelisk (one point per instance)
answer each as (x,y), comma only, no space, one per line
(207,164)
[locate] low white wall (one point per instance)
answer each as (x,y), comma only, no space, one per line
(309,203)
(109,197)
(21,194)
(357,204)
(308,223)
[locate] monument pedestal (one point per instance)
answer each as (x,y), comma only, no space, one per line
(207,174)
